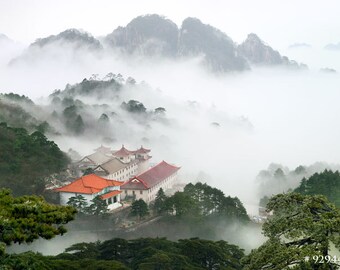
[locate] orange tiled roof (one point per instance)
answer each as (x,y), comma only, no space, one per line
(88,184)
(110,194)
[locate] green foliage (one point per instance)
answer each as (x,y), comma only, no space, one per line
(263,201)
(84,250)
(134,106)
(142,253)
(159,205)
(16,116)
(211,255)
(160,253)
(78,202)
(139,208)
(24,219)
(97,88)
(24,261)
(25,160)
(302,226)
(326,183)
(181,205)
(44,127)
(201,200)
(97,207)
(36,261)
(17,98)
(73,121)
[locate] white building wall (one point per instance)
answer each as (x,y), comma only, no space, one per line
(125,173)
(65,196)
(149,195)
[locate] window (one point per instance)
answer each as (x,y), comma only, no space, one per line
(133,192)
(141,192)
(125,191)
(115,199)
(110,200)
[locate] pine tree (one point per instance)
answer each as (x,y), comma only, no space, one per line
(24,219)
(159,205)
(139,208)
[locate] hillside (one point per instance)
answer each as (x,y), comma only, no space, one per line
(326,183)
(27,159)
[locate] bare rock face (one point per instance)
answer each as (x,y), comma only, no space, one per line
(156,36)
(153,35)
(218,50)
(257,52)
(149,35)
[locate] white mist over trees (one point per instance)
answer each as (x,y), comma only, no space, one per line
(229,126)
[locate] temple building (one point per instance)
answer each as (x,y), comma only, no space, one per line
(146,185)
(121,164)
(91,186)
(93,160)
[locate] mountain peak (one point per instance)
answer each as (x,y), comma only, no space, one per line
(147,35)
(257,52)
(78,37)
(218,50)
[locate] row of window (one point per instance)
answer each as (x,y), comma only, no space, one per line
(134,193)
(127,175)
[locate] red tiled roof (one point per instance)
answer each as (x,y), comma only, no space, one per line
(122,152)
(151,177)
(142,150)
(88,184)
(110,194)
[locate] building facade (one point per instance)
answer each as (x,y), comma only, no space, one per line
(146,185)
(120,165)
(91,186)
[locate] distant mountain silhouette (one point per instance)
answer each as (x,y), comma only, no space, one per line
(259,53)
(333,47)
(75,37)
(156,36)
(146,35)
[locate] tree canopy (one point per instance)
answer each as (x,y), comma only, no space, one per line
(202,200)
(326,183)
(302,226)
(139,208)
(26,159)
(26,218)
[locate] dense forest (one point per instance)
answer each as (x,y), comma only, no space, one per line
(143,253)
(326,183)
(27,159)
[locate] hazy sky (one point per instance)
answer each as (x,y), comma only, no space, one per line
(280,23)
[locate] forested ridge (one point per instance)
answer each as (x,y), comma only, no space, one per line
(27,159)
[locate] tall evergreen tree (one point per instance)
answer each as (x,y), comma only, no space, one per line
(139,208)
(159,205)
